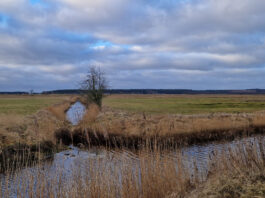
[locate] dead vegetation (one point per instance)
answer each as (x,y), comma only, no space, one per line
(149,124)
(33,128)
(149,173)
(122,129)
(150,137)
(31,137)
(242,174)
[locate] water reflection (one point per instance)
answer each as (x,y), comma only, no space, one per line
(75,162)
(76,113)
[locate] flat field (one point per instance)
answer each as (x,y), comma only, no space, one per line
(164,104)
(186,104)
(26,105)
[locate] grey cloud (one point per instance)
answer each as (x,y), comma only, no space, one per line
(180,44)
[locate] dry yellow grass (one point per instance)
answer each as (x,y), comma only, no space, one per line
(90,116)
(60,109)
(126,123)
(242,175)
(155,175)
(35,127)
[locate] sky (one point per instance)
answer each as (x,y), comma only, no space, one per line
(159,44)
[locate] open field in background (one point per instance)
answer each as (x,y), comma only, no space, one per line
(186,104)
(27,119)
(26,105)
(158,104)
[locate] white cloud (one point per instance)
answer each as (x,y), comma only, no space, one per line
(186,38)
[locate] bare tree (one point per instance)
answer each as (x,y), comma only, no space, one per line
(31,92)
(94,85)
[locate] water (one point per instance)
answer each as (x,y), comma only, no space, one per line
(74,162)
(75,113)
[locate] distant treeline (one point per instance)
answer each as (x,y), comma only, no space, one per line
(162,91)
(149,91)
(14,93)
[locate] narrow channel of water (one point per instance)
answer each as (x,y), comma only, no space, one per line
(75,113)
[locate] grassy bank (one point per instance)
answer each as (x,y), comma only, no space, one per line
(90,137)
(24,119)
(186,104)
(27,125)
(118,127)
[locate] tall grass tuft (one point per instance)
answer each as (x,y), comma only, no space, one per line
(146,173)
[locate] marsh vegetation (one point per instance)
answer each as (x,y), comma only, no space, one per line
(233,169)
(122,151)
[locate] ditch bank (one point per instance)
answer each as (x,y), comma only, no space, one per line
(32,139)
(90,127)
(90,138)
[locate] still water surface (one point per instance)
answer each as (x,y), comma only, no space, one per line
(75,113)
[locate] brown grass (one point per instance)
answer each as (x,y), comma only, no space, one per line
(120,128)
(239,173)
(149,124)
(24,128)
(22,135)
(90,116)
(59,110)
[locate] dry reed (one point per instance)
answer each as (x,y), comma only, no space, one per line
(147,173)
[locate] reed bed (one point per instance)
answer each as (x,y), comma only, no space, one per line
(118,128)
(146,173)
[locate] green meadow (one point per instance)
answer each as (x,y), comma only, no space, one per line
(25,105)
(186,104)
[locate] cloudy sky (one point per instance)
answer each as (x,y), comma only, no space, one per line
(194,44)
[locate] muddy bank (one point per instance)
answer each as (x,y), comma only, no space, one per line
(89,138)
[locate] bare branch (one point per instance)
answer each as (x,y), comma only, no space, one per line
(94,85)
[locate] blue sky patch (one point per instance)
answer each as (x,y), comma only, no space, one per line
(3,21)
(39,3)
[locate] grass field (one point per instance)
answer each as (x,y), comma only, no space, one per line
(186,104)
(26,105)
(172,104)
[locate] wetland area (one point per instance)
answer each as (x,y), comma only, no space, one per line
(87,161)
